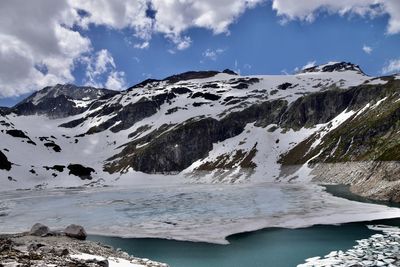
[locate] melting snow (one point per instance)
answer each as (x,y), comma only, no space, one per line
(184,212)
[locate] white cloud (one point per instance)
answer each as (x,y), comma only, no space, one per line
(392,7)
(212,54)
(309,64)
(116,80)
(102,65)
(37,33)
(367,49)
(309,10)
(171,18)
(142,45)
(392,67)
(176,16)
(39,43)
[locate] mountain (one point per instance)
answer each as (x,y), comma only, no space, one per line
(332,123)
(61,100)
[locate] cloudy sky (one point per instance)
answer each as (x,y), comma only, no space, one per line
(117,43)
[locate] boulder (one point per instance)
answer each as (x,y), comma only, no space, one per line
(39,230)
(75,231)
(60,252)
(100,263)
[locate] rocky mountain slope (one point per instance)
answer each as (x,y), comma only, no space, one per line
(208,127)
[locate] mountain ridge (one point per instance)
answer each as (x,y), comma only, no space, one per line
(199,126)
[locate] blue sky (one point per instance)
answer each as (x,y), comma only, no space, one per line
(256,41)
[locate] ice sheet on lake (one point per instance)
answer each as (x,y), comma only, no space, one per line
(186,212)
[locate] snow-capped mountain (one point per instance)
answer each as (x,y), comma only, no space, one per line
(61,100)
(205,126)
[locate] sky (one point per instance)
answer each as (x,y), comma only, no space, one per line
(117,43)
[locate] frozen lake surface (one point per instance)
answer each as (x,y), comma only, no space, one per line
(191,212)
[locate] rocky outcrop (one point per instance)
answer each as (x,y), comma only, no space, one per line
(371,179)
(189,75)
(4,111)
(338,66)
(177,148)
(58,101)
(370,135)
(59,250)
(85,173)
(130,114)
(4,163)
(322,107)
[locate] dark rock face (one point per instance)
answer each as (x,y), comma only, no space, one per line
(75,231)
(321,107)
(370,136)
(190,75)
(241,86)
(85,173)
(316,108)
(143,84)
(20,134)
(181,90)
(73,123)
(167,154)
(58,107)
(128,116)
(4,111)
(207,96)
(284,86)
(17,133)
(39,230)
(177,149)
(340,66)
(59,168)
(56,101)
(198,104)
(211,85)
(178,77)
(54,146)
(4,163)
(106,110)
(228,71)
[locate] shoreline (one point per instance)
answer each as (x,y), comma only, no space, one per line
(57,249)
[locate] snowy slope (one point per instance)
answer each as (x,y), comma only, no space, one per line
(221,127)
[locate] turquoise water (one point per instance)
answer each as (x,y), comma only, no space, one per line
(275,247)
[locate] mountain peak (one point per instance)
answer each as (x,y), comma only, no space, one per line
(184,76)
(61,100)
(334,67)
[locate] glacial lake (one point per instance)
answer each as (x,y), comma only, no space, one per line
(275,247)
(149,216)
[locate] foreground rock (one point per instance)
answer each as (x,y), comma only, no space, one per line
(60,250)
(39,230)
(378,250)
(75,231)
